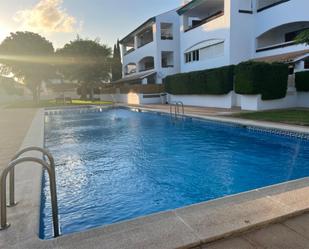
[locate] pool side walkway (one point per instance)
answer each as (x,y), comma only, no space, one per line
(14,124)
(171,229)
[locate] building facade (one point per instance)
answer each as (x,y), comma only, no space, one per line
(151,52)
(205,34)
(215,33)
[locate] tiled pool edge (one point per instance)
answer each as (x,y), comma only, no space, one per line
(237,121)
(181,228)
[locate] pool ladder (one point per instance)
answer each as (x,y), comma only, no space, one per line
(10,169)
(177,109)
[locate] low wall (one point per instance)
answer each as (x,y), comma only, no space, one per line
(133,98)
(219,101)
(303,99)
(293,99)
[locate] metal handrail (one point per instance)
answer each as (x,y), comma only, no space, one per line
(53,190)
(12,202)
(177,106)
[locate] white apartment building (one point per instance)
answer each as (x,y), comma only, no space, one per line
(151,52)
(215,33)
(205,34)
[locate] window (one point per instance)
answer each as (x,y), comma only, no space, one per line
(196,55)
(166,31)
(167,59)
(188,57)
(192,56)
(212,51)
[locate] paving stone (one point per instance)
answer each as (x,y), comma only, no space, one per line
(278,237)
(299,224)
(211,222)
(233,243)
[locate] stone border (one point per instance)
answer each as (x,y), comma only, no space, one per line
(180,228)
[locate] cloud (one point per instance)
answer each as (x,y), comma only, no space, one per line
(47,16)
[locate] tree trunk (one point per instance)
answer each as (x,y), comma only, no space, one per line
(83,90)
(91,93)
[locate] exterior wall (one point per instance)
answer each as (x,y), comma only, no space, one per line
(303,99)
(155,48)
(219,101)
(292,100)
(167,45)
(132,99)
(284,13)
(218,28)
(241,31)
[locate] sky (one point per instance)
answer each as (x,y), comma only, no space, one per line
(61,20)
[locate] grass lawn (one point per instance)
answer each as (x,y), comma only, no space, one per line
(52,103)
(288,116)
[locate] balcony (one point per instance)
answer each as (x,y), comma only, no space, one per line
(280,37)
(145,64)
(128,46)
(266,4)
(275,46)
(145,37)
(130,69)
(197,13)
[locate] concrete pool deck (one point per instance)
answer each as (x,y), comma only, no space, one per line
(189,227)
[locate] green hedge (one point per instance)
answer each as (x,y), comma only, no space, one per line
(302,81)
(216,81)
(269,80)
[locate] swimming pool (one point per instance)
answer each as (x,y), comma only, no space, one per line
(119,164)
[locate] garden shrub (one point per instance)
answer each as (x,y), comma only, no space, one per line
(269,80)
(302,81)
(216,81)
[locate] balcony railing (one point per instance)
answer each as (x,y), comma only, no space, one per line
(275,46)
(143,43)
(269,4)
(206,20)
(129,51)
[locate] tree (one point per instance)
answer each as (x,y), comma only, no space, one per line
(85,61)
(28,56)
(116,63)
(303,37)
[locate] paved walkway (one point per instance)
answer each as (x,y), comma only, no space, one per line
(14,124)
(290,234)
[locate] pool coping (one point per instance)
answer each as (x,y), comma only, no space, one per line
(185,227)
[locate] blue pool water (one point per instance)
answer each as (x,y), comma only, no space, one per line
(118,164)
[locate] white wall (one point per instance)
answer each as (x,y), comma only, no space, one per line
(292,100)
(303,99)
(155,48)
(241,32)
(132,99)
(219,101)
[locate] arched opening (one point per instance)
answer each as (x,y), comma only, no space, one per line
(145,64)
(281,36)
(130,68)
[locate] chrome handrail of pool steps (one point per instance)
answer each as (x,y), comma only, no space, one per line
(177,106)
(10,170)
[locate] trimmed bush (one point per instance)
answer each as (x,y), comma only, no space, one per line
(269,80)
(216,81)
(302,81)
